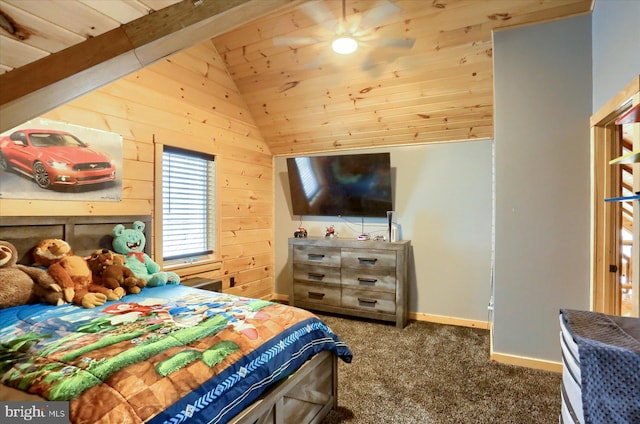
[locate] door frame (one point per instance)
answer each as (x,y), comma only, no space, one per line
(605,217)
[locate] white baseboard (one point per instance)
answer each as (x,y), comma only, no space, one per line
(441,319)
(418,316)
(522,361)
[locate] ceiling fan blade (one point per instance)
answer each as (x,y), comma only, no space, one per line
(295,41)
(373,68)
(318,11)
(319,61)
(378,15)
(397,43)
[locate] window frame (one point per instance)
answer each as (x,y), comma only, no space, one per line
(191,261)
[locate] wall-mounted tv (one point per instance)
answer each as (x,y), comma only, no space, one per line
(357,185)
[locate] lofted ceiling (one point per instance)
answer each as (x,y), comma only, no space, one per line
(303,97)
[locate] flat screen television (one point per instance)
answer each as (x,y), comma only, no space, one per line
(357,185)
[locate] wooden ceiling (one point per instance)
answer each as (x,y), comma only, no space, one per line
(303,97)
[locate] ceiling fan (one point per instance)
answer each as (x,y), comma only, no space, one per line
(348,32)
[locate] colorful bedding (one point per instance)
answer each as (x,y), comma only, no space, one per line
(169,354)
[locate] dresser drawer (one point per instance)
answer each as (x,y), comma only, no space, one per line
(322,294)
(368,300)
(316,274)
(369,259)
(374,279)
(316,255)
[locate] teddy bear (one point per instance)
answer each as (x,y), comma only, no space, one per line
(72,273)
(20,284)
(109,271)
(130,242)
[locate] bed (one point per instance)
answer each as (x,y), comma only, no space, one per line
(169,354)
(601,368)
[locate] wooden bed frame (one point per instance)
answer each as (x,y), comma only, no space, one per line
(305,396)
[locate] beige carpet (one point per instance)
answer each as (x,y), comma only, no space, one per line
(434,374)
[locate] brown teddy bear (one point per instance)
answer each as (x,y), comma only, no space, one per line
(109,271)
(72,273)
(21,284)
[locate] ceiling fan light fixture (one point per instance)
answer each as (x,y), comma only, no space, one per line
(344,45)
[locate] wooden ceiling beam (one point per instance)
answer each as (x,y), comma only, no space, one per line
(63,76)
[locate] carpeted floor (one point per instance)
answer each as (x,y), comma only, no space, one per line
(434,374)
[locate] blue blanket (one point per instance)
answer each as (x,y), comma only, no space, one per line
(610,367)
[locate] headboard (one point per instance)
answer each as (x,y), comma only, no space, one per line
(84,233)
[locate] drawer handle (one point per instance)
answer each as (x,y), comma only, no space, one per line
(371,303)
(316,295)
(367,281)
(315,256)
(368,260)
(315,275)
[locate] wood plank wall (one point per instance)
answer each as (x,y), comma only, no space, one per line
(187,100)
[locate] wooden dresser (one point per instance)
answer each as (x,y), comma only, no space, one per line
(361,278)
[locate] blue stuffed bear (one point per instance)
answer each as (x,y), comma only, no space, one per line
(130,243)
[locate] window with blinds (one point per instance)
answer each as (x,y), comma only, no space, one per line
(188,205)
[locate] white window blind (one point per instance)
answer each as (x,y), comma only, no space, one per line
(188,204)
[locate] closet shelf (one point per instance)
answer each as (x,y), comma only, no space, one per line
(633,157)
(631,117)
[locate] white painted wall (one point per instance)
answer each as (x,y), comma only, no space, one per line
(616,47)
(442,195)
(542,107)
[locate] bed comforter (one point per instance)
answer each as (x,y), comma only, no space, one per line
(169,354)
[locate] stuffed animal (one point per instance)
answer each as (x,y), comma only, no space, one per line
(130,243)
(72,273)
(21,284)
(109,271)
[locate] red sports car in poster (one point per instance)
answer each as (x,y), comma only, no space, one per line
(54,158)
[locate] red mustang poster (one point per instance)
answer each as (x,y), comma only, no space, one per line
(43,159)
